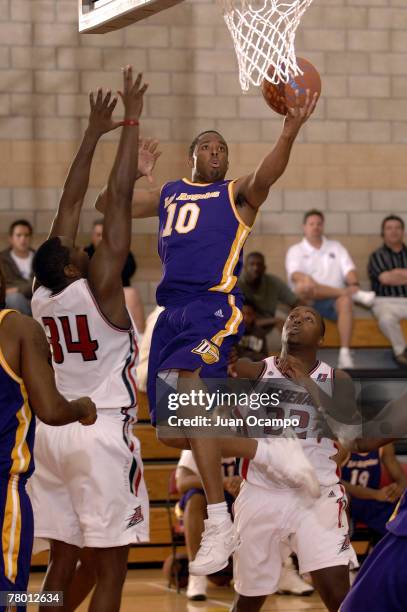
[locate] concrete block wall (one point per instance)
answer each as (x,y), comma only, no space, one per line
(350,159)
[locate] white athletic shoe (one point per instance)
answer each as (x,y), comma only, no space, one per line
(366,298)
(218,542)
(288,465)
(196,590)
(291,583)
(345,359)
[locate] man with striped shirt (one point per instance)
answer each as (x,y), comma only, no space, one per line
(388,275)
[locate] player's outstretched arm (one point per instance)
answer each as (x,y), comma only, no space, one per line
(76,184)
(145,202)
(254,188)
(107,263)
(39,379)
(245,368)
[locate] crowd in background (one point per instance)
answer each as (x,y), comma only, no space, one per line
(320,272)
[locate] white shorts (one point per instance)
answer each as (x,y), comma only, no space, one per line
(88,487)
(271,524)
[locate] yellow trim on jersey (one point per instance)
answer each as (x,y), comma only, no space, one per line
(228,279)
(232,325)
(234,207)
(3,361)
(20,455)
(396,510)
(11,530)
(188,182)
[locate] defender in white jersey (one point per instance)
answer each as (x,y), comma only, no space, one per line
(273,520)
(89,491)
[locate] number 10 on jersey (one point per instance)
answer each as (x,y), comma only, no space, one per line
(186,220)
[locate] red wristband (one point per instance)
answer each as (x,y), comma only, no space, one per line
(131,122)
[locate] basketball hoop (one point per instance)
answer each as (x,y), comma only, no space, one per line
(263,35)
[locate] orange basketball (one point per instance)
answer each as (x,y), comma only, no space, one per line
(281,96)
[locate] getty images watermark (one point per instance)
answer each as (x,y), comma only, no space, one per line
(375,407)
(226,409)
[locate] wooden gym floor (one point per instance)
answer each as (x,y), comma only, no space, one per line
(147,590)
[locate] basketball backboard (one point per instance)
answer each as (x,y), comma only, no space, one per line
(100,16)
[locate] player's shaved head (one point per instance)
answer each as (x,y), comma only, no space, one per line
(198,138)
(49,263)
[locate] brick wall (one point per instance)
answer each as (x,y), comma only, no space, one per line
(350,160)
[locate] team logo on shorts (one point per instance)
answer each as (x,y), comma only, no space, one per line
(135,518)
(208,351)
(346,544)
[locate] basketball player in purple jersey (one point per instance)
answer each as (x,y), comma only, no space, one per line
(380,585)
(203,225)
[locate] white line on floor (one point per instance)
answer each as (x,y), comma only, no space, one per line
(225,604)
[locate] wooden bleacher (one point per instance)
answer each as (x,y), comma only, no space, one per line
(366,334)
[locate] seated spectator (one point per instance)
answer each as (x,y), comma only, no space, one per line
(322,273)
(265,291)
(252,344)
(370,503)
(17,266)
(388,274)
(133,300)
(192,508)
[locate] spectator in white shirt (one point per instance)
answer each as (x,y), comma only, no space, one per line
(17,266)
(322,272)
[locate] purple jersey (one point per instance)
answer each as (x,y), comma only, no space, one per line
(200,240)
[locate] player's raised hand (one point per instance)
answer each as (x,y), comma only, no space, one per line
(132,93)
(298,115)
(147,157)
(101,110)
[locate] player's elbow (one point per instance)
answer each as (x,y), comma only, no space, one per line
(47,415)
(52,411)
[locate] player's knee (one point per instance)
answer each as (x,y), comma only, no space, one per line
(111,564)
(189,373)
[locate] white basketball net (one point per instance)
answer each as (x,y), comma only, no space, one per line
(263,34)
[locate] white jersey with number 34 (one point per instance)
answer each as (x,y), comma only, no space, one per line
(296,403)
(90,356)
